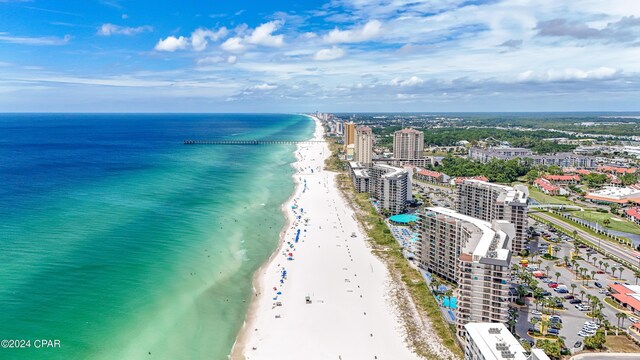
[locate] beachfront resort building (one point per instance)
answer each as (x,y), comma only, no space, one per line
(349,134)
(488,201)
(491,341)
(408,144)
(363,142)
(360,176)
(473,253)
(391,186)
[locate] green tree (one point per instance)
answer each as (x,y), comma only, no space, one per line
(557,276)
(573,288)
(594,342)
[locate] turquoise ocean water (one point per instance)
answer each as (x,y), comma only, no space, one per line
(123,243)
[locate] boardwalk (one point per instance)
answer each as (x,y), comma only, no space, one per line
(249,142)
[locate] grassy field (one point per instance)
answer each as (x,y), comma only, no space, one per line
(614,224)
(621,344)
(543,198)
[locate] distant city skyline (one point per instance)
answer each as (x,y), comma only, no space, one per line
(327,55)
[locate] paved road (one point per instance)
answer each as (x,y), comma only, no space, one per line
(619,251)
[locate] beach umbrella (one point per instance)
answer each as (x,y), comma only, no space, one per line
(279,293)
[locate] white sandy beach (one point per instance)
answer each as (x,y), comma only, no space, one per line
(350,315)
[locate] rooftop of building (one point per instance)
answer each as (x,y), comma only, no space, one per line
(545,184)
(361,173)
(510,194)
(627,294)
(633,212)
(408,131)
(495,342)
(363,129)
(562,177)
(491,242)
(614,193)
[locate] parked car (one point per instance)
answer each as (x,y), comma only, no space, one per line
(578,344)
(553,285)
(546,293)
(553,331)
(575,301)
(600,272)
(569,297)
(597,284)
(633,319)
(536,312)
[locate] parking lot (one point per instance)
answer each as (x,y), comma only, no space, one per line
(573,319)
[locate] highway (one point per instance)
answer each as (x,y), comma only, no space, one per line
(621,252)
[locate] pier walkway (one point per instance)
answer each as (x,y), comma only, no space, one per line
(249,142)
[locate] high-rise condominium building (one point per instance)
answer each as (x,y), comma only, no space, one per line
(391,186)
(349,133)
(408,144)
(363,145)
(488,201)
(472,253)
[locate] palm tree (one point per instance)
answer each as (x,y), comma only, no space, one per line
(620,270)
(613,271)
(573,288)
(435,284)
(547,268)
(623,317)
(533,322)
(575,235)
(593,274)
(594,260)
(557,275)
(588,257)
(606,266)
(600,263)
(544,325)
(512,324)
(448,294)
(582,292)
(566,260)
(637,275)
(555,251)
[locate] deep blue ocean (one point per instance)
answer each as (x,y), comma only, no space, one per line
(123,243)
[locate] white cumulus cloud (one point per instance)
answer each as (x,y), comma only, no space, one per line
(329,54)
(370,30)
(111,29)
(200,36)
(263,35)
(233,44)
(172,43)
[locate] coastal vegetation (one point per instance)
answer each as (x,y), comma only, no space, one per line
(501,171)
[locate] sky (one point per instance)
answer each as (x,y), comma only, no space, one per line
(325,55)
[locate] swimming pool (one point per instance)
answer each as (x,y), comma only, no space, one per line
(403,218)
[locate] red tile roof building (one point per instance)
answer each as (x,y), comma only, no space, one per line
(616,170)
(633,214)
(432,176)
(459,180)
(546,186)
(563,179)
(627,295)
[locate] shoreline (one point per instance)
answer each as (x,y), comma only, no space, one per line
(237,349)
(325,284)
